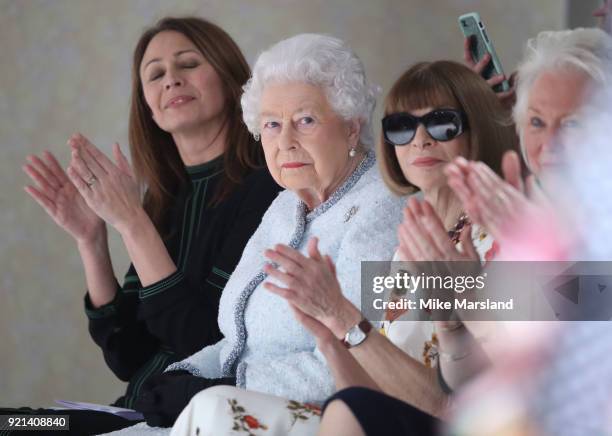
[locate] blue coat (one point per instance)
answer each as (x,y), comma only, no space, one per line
(264,346)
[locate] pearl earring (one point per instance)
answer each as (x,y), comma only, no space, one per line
(352,152)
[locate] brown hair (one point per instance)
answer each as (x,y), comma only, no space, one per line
(157,164)
(449,84)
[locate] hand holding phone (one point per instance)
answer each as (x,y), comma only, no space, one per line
(481,51)
(507,98)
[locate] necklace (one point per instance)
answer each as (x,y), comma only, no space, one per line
(455,233)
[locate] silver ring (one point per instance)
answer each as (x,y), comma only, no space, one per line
(92,181)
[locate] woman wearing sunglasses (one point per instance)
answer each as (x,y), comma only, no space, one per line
(434,113)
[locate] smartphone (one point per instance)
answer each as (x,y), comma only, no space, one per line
(472,27)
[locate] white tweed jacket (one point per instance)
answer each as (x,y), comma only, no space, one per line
(264,346)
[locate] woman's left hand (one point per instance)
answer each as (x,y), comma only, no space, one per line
(427,248)
(109,189)
(311,286)
(323,335)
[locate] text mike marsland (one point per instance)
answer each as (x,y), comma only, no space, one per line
(437,304)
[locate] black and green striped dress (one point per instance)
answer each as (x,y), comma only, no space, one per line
(143,330)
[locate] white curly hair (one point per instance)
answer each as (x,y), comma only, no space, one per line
(587,50)
(318,60)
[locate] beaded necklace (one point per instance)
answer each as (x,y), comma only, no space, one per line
(455,233)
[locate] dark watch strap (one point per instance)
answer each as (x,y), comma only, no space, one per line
(365,326)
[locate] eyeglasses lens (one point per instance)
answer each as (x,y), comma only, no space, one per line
(399,129)
(443,126)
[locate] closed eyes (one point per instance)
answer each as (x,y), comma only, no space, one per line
(158,74)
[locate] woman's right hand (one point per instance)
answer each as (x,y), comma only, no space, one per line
(58,196)
(109,189)
(506,98)
(311,286)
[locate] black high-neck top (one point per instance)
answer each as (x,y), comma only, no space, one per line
(143,330)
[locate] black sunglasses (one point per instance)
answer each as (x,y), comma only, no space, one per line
(441,124)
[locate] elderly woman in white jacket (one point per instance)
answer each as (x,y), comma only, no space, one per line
(311,103)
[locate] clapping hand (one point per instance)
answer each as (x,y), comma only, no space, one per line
(109,189)
(427,250)
(495,203)
(518,215)
(311,285)
(423,237)
(58,196)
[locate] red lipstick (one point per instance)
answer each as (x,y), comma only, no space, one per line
(426,161)
(292,165)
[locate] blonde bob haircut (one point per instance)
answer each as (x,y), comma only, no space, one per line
(447,84)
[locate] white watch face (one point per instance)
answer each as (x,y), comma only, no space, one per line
(355,336)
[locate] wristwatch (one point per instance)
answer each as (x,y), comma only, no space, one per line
(357,334)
